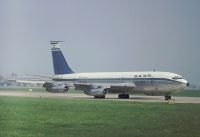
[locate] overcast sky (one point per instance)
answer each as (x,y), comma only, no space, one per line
(101,35)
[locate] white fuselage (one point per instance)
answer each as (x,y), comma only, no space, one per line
(150,82)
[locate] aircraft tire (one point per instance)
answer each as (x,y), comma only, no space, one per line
(99,97)
(123,96)
(167,97)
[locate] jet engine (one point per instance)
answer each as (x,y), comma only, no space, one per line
(96,92)
(55,87)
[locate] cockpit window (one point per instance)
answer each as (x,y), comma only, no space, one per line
(177,77)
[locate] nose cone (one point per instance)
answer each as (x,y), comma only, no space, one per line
(188,83)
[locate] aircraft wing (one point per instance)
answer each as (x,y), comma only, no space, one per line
(82,86)
(30,81)
(41,76)
(34,79)
(112,88)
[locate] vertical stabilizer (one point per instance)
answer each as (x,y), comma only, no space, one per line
(60,65)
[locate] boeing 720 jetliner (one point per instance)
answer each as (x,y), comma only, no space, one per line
(123,83)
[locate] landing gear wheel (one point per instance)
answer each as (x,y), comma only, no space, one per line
(167,97)
(99,97)
(123,96)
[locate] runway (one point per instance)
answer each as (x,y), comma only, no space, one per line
(137,98)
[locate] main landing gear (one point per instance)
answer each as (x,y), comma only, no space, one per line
(123,96)
(99,97)
(167,97)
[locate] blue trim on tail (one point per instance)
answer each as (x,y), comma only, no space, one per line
(59,63)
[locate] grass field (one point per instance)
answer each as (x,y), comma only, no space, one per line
(42,117)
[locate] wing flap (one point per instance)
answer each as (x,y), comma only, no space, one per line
(82,86)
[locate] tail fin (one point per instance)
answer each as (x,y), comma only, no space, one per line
(59,63)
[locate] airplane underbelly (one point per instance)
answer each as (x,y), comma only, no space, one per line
(156,86)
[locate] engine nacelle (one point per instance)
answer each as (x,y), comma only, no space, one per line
(55,88)
(96,92)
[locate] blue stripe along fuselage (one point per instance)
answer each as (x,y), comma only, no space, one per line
(117,80)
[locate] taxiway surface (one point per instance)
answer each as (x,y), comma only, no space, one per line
(139,98)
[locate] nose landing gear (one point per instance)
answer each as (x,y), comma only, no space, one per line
(167,97)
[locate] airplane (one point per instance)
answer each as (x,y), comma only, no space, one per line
(122,83)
